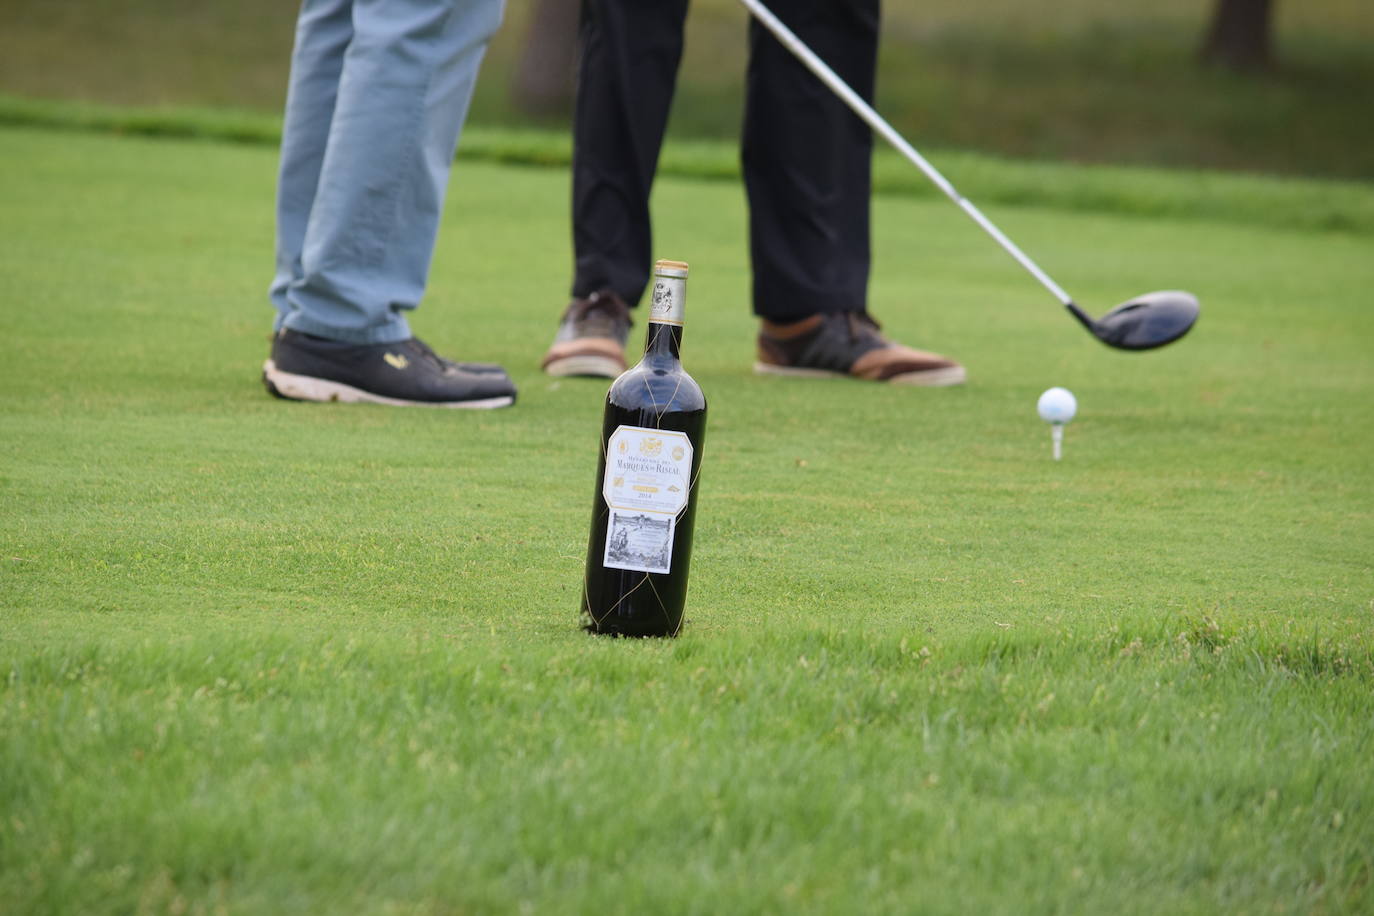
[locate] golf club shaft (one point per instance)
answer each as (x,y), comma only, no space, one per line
(875,121)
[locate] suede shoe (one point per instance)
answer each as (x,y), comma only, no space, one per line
(848,344)
(591,338)
(405,374)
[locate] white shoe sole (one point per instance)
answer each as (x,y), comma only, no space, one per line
(590,366)
(304,388)
(931,378)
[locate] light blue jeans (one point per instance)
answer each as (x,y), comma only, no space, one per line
(378,94)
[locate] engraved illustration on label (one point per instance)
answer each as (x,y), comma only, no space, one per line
(667,301)
(648,479)
(640,542)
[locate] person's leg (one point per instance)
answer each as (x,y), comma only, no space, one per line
(323,31)
(380,89)
(806,160)
(630,55)
(403,92)
(630,51)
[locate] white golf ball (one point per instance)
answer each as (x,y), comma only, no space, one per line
(1057,405)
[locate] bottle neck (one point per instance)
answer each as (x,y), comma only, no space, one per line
(667,304)
(663,341)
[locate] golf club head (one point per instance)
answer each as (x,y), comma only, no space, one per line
(1148,321)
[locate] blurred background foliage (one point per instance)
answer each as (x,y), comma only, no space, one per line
(1158,83)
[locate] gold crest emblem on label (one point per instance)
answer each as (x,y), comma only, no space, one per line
(650,447)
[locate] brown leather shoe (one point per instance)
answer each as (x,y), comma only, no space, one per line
(849,344)
(591,338)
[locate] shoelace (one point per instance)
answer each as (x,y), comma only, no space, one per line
(425,351)
(603,312)
(862,325)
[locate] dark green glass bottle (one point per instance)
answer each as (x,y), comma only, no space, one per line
(640,546)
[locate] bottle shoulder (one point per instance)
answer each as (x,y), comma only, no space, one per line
(656,386)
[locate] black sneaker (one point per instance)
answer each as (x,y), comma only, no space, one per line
(849,344)
(591,338)
(405,374)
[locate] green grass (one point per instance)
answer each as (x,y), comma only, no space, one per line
(1080,80)
(1290,203)
(266,657)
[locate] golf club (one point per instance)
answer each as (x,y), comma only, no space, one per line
(1143,323)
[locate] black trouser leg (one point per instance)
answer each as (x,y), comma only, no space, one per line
(630,55)
(807,161)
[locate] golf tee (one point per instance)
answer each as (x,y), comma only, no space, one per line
(1057,432)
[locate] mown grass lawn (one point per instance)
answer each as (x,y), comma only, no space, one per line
(268,657)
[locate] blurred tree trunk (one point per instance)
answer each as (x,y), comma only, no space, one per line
(546,72)
(1240,36)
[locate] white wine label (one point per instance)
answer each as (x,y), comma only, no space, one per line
(648,470)
(648,480)
(668,299)
(640,542)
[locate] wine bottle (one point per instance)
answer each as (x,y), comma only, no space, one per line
(646,481)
